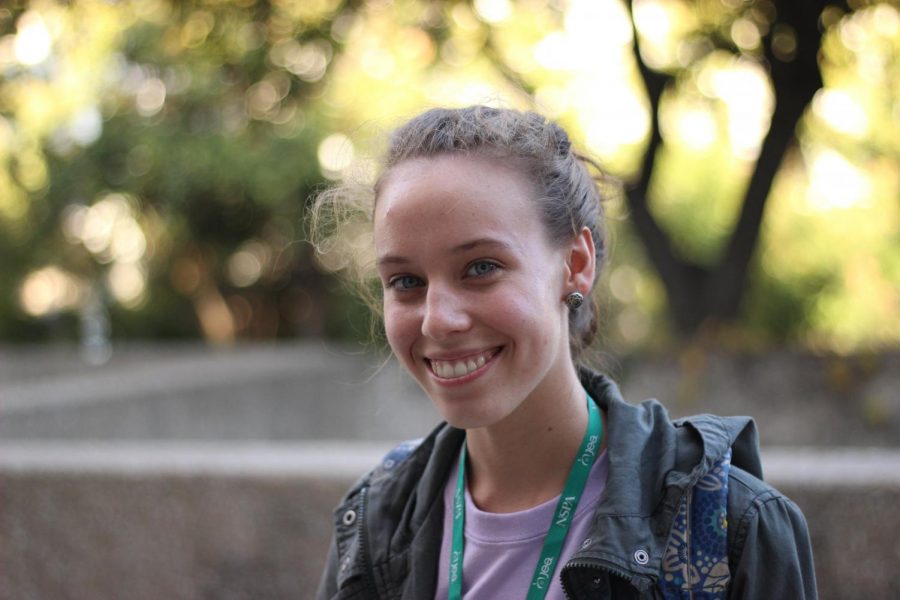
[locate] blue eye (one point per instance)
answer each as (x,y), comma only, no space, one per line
(479,268)
(404,282)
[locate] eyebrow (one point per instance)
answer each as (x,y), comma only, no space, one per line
(393,259)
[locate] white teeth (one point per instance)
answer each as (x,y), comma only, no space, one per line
(451,369)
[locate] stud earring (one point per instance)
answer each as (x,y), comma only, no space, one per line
(574,300)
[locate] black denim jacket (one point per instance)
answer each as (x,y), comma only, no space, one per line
(388,527)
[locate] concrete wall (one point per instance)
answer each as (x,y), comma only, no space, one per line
(188,392)
(100,521)
(182,473)
(109,521)
(313,391)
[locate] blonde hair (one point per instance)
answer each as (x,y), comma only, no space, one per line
(568,196)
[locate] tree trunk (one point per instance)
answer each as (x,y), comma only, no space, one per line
(697,293)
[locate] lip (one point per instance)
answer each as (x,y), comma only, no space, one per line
(497,350)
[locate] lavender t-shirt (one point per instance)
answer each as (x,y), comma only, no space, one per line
(501,550)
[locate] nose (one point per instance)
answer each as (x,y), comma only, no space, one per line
(445,313)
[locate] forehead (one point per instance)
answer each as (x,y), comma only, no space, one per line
(455,195)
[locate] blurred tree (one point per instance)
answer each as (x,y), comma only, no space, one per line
(156,156)
(786,37)
(174,152)
(789,38)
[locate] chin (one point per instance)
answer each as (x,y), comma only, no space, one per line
(467,413)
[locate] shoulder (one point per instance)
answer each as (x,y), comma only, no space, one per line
(395,458)
(382,514)
(391,465)
(759,513)
(770,554)
(398,476)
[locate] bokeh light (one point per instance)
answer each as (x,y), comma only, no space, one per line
(835,183)
(50,290)
(32,42)
(335,154)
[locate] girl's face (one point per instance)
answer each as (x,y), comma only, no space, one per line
(473,300)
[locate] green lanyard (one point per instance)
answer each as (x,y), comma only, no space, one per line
(562,516)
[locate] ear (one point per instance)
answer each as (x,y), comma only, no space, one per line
(581,263)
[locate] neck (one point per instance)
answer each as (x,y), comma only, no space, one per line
(524,460)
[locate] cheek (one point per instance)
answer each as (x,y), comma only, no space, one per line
(400,328)
(535,312)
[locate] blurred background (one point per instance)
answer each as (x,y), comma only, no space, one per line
(186,388)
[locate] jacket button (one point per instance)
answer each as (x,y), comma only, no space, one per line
(641,556)
(349,517)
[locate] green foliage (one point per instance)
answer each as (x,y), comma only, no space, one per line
(164,153)
(210,145)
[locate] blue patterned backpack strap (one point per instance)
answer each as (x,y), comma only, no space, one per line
(695,565)
(397,455)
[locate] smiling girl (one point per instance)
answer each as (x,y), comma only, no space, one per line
(488,238)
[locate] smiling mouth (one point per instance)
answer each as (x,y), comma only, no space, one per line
(455,369)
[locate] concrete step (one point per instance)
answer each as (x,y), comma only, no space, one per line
(191,520)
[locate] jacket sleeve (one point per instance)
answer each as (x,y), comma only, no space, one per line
(773,552)
(328,583)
